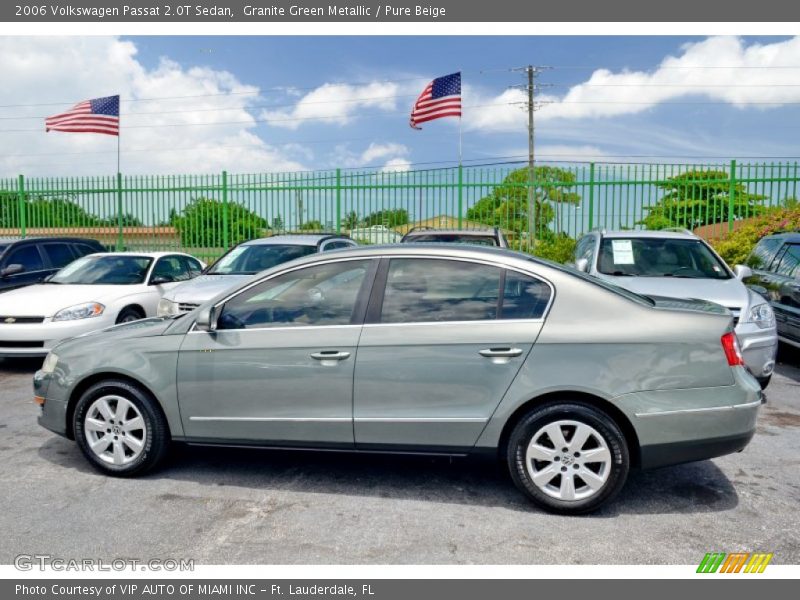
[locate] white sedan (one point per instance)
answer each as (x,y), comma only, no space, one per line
(93,292)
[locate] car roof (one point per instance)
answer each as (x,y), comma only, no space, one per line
(294,239)
(475,232)
(142,254)
(646,233)
(788,236)
(11,240)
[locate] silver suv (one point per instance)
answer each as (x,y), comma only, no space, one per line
(678,264)
(242,262)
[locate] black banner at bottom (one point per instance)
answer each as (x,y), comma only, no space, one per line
(389,589)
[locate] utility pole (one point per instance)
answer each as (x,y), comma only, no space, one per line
(532,73)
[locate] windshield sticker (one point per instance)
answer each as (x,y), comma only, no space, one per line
(623,252)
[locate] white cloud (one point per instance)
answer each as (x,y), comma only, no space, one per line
(336,103)
(397,165)
(377,151)
(702,72)
(154,136)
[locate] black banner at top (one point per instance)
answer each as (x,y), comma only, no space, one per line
(397,11)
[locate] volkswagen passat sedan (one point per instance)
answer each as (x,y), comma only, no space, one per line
(451,350)
(93,292)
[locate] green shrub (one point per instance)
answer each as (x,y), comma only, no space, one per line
(558,248)
(200,224)
(736,246)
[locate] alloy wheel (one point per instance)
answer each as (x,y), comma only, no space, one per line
(115,430)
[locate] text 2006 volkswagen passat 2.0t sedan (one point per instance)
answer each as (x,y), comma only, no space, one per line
(418,348)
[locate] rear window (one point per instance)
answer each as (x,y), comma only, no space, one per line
(453,238)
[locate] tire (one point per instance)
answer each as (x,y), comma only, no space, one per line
(593,483)
(764,381)
(140,435)
(129,314)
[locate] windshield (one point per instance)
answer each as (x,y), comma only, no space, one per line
(104,270)
(254,258)
(454,238)
(659,257)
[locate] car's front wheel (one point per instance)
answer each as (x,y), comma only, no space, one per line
(568,457)
(119,428)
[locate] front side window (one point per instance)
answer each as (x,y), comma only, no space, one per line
(28,257)
(319,295)
(659,257)
(789,264)
(104,269)
(428,290)
(171,268)
(249,259)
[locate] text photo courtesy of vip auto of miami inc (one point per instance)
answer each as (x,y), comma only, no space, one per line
(400,300)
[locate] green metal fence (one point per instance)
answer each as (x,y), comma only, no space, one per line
(205,214)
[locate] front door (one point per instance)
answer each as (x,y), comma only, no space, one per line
(279,367)
(439,350)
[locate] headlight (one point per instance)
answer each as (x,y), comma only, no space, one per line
(50,362)
(762,315)
(167,308)
(80,311)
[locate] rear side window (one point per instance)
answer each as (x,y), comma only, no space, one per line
(789,264)
(431,290)
(192,266)
(762,255)
(524,297)
(60,255)
(27,256)
(84,249)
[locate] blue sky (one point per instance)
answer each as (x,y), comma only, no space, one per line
(609,99)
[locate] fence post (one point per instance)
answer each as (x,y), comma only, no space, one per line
(338,200)
(460,196)
(731,195)
(225,233)
(591,196)
(21,208)
(120,245)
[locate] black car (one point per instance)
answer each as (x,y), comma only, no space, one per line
(775,262)
(28,261)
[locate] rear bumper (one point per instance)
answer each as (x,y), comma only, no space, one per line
(685,425)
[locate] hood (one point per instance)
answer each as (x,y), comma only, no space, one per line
(47,299)
(136,329)
(205,287)
(730,293)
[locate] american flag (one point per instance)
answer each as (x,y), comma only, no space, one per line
(100,115)
(440,98)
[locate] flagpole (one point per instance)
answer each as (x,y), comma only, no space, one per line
(120,236)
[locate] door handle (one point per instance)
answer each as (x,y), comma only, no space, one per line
(331,355)
(500,352)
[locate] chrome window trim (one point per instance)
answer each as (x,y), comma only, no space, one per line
(346,419)
(684,411)
(384,256)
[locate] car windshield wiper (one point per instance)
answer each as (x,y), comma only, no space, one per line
(622,274)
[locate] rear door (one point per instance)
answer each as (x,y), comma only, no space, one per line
(440,347)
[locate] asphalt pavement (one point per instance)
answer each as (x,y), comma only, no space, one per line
(229,506)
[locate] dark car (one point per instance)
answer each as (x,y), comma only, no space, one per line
(478,237)
(775,262)
(28,261)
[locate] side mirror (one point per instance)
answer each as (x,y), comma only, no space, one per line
(582,264)
(206,319)
(161,279)
(12,270)
(742,272)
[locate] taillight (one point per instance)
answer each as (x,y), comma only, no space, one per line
(731,347)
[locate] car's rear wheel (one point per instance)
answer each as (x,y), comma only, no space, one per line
(568,457)
(119,428)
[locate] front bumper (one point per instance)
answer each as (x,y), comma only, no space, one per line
(759,348)
(37,339)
